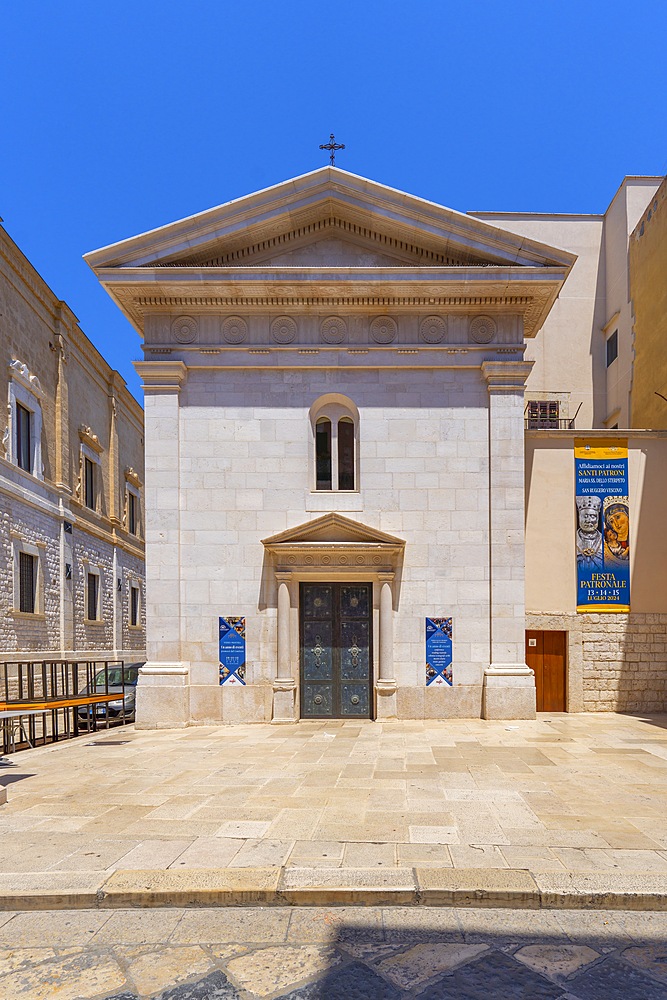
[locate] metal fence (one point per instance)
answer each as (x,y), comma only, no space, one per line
(44,701)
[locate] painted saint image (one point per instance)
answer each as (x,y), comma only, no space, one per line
(616,529)
(589,536)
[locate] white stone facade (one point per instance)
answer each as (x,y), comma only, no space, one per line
(333,292)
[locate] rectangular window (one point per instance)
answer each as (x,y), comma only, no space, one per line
(612,348)
(323,454)
(543,413)
(93,596)
(131,513)
(89,483)
(134,605)
(345,454)
(23,438)
(27,583)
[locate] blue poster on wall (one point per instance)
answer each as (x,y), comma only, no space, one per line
(232,650)
(602,499)
(438,651)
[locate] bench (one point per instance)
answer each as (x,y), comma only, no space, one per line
(13,712)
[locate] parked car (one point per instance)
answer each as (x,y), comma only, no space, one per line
(113,708)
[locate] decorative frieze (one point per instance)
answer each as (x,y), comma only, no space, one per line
(283,330)
(333,330)
(383,329)
(482,329)
(234,329)
(184,330)
(433,329)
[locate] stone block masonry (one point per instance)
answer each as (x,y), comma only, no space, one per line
(625,663)
(615,663)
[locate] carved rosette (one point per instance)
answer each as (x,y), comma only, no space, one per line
(482,329)
(184,329)
(283,330)
(433,329)
(234,329)
(384,329)
(333,330)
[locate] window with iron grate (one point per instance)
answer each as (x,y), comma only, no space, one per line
(543,413)
(27,583)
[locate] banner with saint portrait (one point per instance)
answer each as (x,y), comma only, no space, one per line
(602,501)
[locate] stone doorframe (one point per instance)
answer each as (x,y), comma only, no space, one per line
(333,549)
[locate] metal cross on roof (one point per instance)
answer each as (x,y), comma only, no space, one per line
(332,146)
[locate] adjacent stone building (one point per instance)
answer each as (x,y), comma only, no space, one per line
(648,284)
(71,484)
(341,381)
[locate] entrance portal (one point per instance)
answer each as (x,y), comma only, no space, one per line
(336,650)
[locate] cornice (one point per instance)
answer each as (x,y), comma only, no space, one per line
(139,290)
(506,376)
(161,376)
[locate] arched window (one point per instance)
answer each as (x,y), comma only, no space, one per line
(335,424)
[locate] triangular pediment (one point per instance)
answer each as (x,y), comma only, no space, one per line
(330,239)
(329,243)
(332,529)
(316,210)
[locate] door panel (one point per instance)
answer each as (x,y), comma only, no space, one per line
(546,656)
(317,651)
(336,650)
(554,672)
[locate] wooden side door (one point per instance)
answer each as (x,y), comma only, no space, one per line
(546,656)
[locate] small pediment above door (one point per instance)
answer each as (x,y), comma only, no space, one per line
(334,547)
(332,529)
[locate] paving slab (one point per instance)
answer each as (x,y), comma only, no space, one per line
(402,798)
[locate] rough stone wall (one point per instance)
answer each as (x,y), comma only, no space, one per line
(131,572)
(93,551)
(625,663)
(29,632)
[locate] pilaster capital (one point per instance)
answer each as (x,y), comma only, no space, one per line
(284,684)
(283,576)
(506,376)
(161,376)
(386,577)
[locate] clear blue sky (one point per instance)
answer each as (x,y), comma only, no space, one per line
(116,118)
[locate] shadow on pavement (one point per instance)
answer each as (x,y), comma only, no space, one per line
(454,955)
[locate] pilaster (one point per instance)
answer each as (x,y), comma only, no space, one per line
(162,693)
(509,685)
(284,685)
(385,688)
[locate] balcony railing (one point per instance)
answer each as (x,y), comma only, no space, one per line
(548,424)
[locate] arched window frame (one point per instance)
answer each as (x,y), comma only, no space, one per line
(333,407)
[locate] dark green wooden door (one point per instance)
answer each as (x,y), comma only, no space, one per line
(336,650)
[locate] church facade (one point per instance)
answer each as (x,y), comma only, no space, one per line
(334,377)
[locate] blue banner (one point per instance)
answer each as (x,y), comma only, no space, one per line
(438,651)
(232,650)
(602,499)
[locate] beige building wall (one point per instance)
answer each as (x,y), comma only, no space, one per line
(648,287)
(79,407)
(570,350)
(616,662)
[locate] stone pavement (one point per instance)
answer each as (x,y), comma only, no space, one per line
(365,953)
(565,793)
